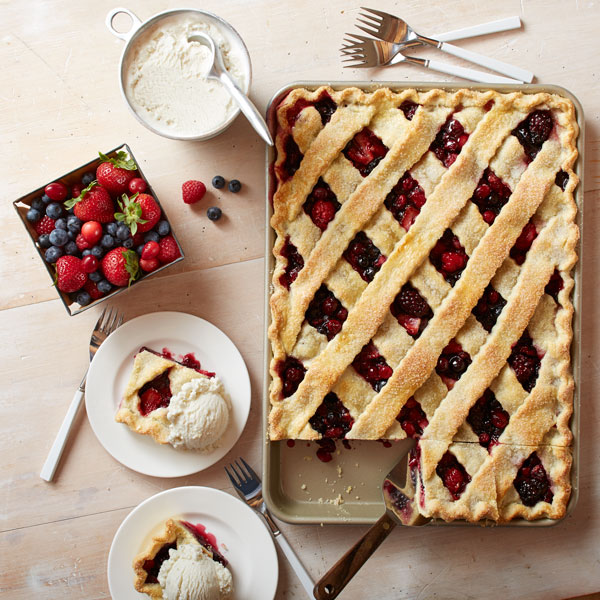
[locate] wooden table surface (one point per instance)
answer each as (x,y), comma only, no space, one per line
(60,103)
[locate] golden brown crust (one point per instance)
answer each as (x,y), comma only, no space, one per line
(537,419)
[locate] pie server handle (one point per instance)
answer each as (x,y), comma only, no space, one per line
(336,579)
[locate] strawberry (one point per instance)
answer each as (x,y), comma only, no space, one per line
(169,250)
(93,204)
(192,191)
(114,174)
(70,275)
(120,266)
(139,212)
(44,225)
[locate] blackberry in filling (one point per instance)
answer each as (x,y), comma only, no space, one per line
(293,158)
(321,205)
(448,256)
(364,256)
(324,105)
(449,141)
(412,418)
(326,313)
(488,419)
(533,131)
(452,363)
(295,262)
(532,482)
(554,285)
(291,371)
(152,565)
(405,201)
(525,361)
(409,108)
(453,475)
(490,195)
(332,419)
(411,310)
(519,251)
(364,151)
(561,180)
(372,366)
(488,308)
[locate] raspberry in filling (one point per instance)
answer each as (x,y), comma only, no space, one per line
(152,565)
(409,108)
(364,256)
(295,262)
(364,151)
(488,419)
(554,285)
(291,371)
(155,394)
(449,141)
(489,307)
(372,366)
(321,205)
(525,361)
(411,310)
(293,158)
(326,313)
(332,419)
(405,200)
(412,418)
(452,363)
(324,105)
(533,131)
(490,195)
(561,180)
(532,482)
(448,256)
(453,475)
(519,251)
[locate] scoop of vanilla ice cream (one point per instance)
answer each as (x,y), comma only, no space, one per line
(198,415)
(190,574)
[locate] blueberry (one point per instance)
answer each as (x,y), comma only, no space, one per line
(163,228)
(103,286)
(86,252)
(72,235)
(54,210)
(218,182)
(140,249)
(214,213)
(53,254)
(83,298)
(71,211)
(60,224)
(111,228)
(98,251)
(128,243)
(73,224)
(88,178)
(95,276)
(44,241)
(123,232)
(107,241)
(38,204)
(33,215)
(151,236)
(235,186)
(58,237)
(46,199)
(71,248)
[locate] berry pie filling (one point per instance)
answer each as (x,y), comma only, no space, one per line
(519,251)
(291,371)
(532,482)
(448,256)
(326,313)
(405,201)
(188,360)
(525,361)
(370,365)
(412,418)
(155,394)
(488,308)
(452,363)
(402,504)
(449,141)
(561,180)
(332,419)
(364,151)
(533,131)
(295,262)
(453,475)
(411,310)
(321,205)
(364,256)
(488,419)
(206,539)
(554,285)
(409,108)
(490,195)
(152,565)
(293,158)
(324,105)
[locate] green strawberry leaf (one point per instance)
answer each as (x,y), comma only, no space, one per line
(132,265)
(131,212)
(73,201)
(122,161)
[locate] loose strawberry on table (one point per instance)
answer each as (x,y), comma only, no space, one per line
(115,174)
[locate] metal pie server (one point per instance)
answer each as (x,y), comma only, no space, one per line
(400,508)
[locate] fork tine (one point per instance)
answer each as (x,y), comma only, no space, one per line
(355,63)
(379,13)
(99,321)
(232,479)
(110,326)
(360,38)
(241,477)
(369,23)
(250,470)
(107,319)
(369,31)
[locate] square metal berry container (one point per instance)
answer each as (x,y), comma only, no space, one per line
(23,204)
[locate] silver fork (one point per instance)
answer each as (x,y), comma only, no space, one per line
(105,325)
(393,29)
(364,52)
(248,486)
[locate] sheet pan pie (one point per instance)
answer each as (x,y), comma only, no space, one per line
(423,256)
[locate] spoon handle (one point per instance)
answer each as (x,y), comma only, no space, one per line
(246,106)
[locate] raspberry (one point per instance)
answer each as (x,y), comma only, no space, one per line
(44,226)
(192,191)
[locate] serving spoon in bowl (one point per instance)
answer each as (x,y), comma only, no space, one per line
(218,71)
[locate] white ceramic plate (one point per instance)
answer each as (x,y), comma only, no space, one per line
(242,537)
(109,372)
